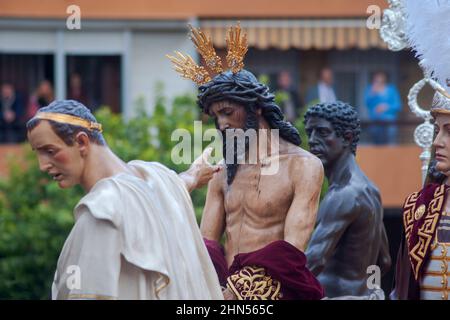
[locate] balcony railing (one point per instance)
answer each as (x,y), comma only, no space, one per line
(400,132)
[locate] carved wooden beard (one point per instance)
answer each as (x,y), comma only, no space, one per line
(251,122)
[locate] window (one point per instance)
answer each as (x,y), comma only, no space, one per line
(94,80)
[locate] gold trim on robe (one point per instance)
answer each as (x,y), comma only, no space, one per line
(252,283)
(425,222)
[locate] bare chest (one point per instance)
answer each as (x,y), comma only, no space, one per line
(258,194)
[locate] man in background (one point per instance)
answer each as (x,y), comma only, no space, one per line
(383,105)
(323,91)
(11,112)
(291,104)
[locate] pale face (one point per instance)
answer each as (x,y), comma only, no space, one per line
(284,80)
(379,79)
(7,91)
(65,164)
(442,143)
(327,76)
(45,88)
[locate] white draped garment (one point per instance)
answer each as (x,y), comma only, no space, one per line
(136,239)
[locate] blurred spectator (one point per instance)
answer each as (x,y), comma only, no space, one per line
(383,104)
(41,98)
(76,89)
(323,91)
(11,116)
(291,102)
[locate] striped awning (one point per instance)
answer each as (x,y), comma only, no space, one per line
(299,34)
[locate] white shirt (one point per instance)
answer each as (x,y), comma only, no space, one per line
(326,93)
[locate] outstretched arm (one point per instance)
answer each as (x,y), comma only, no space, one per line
(200,172)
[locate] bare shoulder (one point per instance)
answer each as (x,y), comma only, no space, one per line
(292,150)
(218,180)
(342,201)
(304,168)
(346,194)
(302,162)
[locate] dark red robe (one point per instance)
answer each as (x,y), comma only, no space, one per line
(276,271)
(421,213)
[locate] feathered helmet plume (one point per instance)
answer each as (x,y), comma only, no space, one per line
(428,33)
